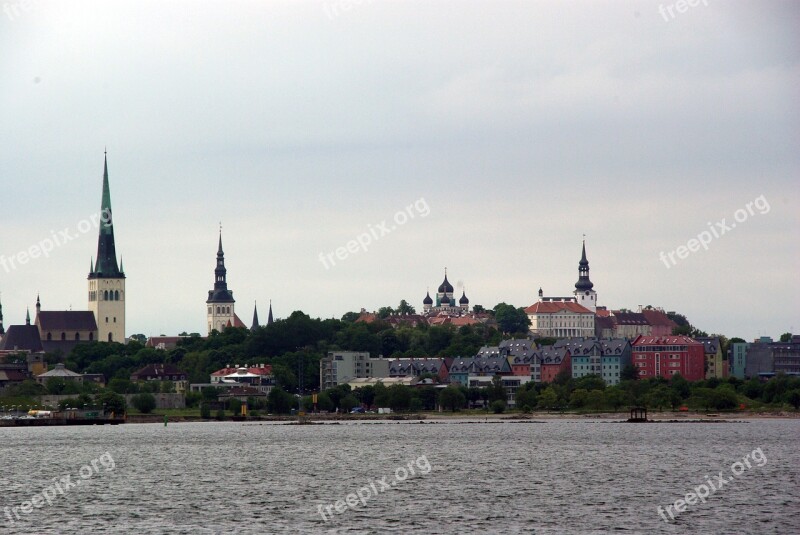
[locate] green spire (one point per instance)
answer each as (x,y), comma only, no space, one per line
(106,266)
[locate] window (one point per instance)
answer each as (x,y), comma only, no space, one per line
(116,295)
(91,336)
(49,336)
(77,336)
(63,336)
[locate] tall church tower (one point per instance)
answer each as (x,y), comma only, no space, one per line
(106,278)
(584,295)
(220,304)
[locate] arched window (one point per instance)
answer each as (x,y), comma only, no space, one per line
(77,336)
(49,336)
(109,337)
(63,336)
(116,295)
(105,295)
(217,310)
(91,336)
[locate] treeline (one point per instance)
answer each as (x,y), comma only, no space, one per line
(588,393)
(293,346)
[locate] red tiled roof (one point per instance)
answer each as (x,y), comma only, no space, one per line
(664,340)
(549,307)
(656,317)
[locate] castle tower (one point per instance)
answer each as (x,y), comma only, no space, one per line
(220,304)
(106,278)
(584,295)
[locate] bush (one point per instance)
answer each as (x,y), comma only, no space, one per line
(526,409)
(205,411)
(498,406)
(144,403)
(220,414)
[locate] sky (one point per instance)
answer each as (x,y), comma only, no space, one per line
(352,150)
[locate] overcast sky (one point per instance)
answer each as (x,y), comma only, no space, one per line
(516,127)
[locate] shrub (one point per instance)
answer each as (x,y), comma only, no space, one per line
(144,403)
(498,406)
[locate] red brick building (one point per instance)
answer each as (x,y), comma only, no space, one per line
(668,355)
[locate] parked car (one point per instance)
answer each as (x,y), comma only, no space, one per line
(357,410)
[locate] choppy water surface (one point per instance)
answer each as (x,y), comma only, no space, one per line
(549,477)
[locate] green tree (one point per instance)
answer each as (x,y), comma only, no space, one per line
(399,397)
(144,403)
(786,337)
(498,406)
(451,398)
(279,401)
(235,406)
(112,401)
(348,402)
(511,319)
(496,390)
(526,395)
(205,411)
(794,398)
(548,398)
(578,398)
(351,317)
(629,372)
(595,400)
(405,308)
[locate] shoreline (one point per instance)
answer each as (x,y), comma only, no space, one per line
(477,417)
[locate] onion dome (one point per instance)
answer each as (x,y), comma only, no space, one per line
(445,287)
(445,300)
(427,300)
(463,300)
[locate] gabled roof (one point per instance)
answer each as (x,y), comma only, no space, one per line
(549,307)
(630,318)
(66,320)
(158,370)
(22,338)
(658,318)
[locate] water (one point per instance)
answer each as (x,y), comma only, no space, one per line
(558,476)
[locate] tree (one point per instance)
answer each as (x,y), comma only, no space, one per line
(786,337)
(235,406)
(595,400)
(511,319)
(578,398)
(144,403)
(112,401)
(385,312)
(348,403)
(205,411)
(279,401)
(139,338)
(405,308)
(451,398)
(498,406)
(478,309)
(794,398)
(526,395)
(548,398)
(399,397)
(351,317)
(496,390)
(629,373)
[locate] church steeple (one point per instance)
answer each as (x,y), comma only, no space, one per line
(2,329)
(220,311)
(583,272)
(106,278)
(255,317)
(584,295)
(270,321)
(106,266)
(27,316)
